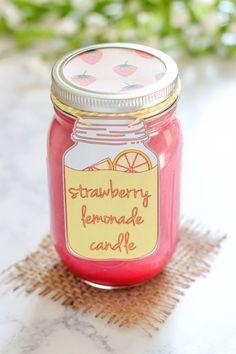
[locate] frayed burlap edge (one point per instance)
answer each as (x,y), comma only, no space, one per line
(146,306)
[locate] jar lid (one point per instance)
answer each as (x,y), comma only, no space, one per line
(114,77)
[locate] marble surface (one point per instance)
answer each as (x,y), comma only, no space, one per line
(204,322)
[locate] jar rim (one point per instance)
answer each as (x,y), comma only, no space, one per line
(109,102)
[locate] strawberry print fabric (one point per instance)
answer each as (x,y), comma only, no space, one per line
(114,70)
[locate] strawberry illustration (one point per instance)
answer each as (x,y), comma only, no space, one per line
(91,56)
(130,87)
(159,76)
(125,69)
(83,79)
(144,54)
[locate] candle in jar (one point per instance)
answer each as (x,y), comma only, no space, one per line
(114,156)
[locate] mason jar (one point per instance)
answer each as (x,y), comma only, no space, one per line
(114,163)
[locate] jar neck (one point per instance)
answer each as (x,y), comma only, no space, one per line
(110,131)
(156,123)
(115,129)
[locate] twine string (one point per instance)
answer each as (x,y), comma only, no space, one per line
(135,116)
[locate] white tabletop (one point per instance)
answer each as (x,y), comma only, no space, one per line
(204,322)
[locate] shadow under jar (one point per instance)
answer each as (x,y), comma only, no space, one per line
(114,163)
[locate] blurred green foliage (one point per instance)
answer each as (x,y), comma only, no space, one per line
(53,27)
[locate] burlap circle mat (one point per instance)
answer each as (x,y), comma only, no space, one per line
(146,306)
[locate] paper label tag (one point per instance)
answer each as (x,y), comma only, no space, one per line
(111,215)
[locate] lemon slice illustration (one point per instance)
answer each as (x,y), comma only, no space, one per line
(105,164)
(132,161)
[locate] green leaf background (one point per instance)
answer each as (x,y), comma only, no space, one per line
(195,27)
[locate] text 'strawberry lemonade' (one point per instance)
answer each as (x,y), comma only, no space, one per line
(114,153)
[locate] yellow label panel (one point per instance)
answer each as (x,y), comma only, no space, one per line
(111,214)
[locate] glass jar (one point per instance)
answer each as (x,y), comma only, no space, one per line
(114,161)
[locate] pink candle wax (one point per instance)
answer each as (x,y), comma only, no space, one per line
(114,163)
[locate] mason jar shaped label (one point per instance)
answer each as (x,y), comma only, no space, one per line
(112,204)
